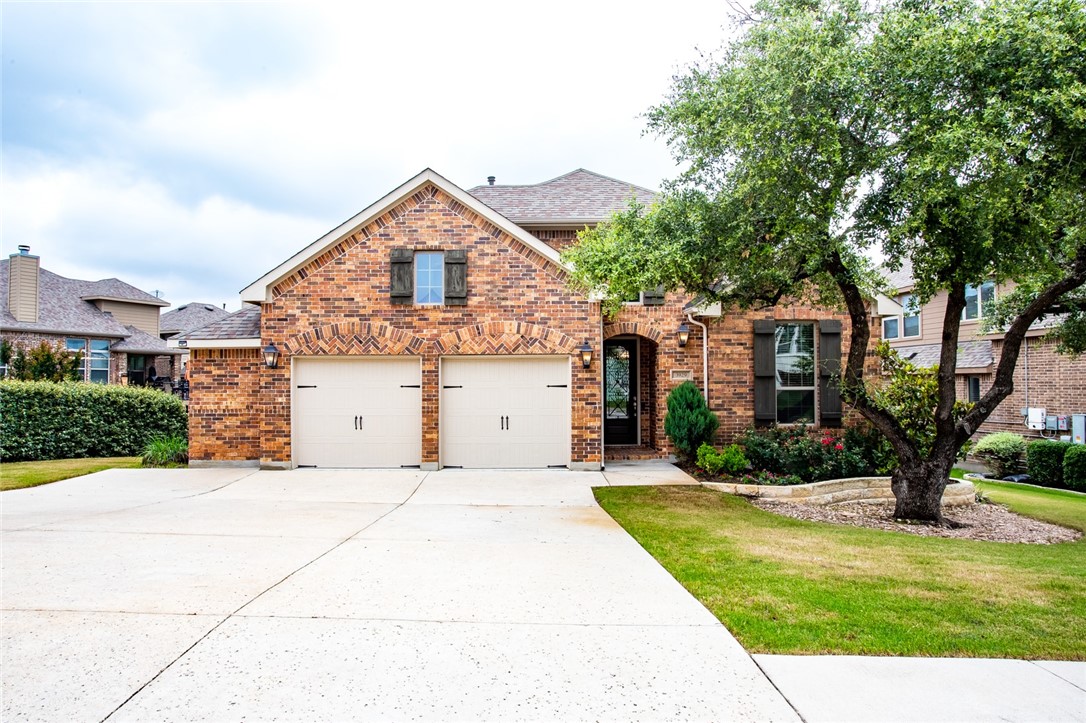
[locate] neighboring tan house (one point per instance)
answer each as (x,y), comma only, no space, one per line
(188,317)
(113,324)
(1043,378)
(436,329)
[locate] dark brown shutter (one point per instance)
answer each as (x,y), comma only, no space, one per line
(653,297)
(456,277)
(402,289)
(765,372)
(829,370)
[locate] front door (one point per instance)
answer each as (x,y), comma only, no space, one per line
(620,391)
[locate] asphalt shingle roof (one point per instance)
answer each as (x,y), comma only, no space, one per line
(577,197)
(62,308)
(117,289)
(140,342)
(971,354)
(244,324)
(190,316)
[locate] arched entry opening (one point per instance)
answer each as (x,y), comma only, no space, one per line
(630,423)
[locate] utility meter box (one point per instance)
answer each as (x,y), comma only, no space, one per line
(1035,418)
(1078,428)
(1063,423)
(1050,422)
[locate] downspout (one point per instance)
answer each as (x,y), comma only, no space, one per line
(704,354)
(603,392)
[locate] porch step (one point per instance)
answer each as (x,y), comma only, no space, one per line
(618,454)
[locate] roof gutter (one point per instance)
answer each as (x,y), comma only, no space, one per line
(704,354)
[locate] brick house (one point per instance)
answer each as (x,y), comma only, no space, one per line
(436,329)
(113,324)
(1043,378)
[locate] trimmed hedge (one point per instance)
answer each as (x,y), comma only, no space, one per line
(1002,451)
(1044,462)
(49,420)
(1074,467)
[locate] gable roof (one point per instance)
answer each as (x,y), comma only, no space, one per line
(140,342)
(260,290)
(575,198)
(187,317)
(63,307)
(243,325)
(117,290)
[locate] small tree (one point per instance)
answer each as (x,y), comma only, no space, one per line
(689,422)
(44,363)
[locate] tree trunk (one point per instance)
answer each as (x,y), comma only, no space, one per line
(919,490)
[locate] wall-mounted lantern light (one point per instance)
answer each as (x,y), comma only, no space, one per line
(586,354)
(271,356)
(684,334)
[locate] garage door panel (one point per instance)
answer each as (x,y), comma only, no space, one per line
(357,412)
(505,411)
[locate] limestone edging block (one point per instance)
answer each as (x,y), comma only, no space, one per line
(835,491)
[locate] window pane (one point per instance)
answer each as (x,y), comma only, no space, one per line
(75,344)
(974,389)
(911,326)
(908,303)
(987,296)
(795,406)
(795,355)
(429,278)
(99,376)
(889,328)
(972,305)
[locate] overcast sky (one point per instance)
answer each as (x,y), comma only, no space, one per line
(187,148)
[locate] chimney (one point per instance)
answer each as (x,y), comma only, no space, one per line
(490,180)
(23,285)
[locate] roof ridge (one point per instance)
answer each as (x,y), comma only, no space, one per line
(566,175)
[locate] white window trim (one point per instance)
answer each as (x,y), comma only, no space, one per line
(980,300)
(891,318)
(919,321)
(814,389)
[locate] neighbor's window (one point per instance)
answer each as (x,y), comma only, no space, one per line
(78,345)
(429,277)
(890,326)
(910,319)
(795,373)
(973,384)
(977,300)
(99,361)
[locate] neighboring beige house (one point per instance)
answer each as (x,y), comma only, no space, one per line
(1043,378)
(113,324)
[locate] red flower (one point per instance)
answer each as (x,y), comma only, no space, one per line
(839,446)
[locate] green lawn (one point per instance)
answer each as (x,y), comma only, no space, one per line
(787,586)
(1058,506)
(16,475)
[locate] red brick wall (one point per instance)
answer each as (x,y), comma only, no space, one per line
(1056,382)
(226,408)
(557,239)
(118,362)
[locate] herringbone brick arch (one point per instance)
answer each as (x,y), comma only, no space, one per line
(505,337)
(632,328)
(350,338)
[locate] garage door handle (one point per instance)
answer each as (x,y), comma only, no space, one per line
(507,423)
(501,421)
(356,423)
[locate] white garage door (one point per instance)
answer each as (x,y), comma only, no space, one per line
(357,412)
(505,411)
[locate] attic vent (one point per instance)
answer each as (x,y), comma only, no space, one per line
(490,180)
(182,308)
(209,307)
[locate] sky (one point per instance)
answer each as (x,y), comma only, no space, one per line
(187,148)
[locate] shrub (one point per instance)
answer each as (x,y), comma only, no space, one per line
(1002,451)
(728,461)
(769,478)
(1074,467)
(48,420)
(44,362)
(792,451)
(1044,462)
(165,451)
(689,422)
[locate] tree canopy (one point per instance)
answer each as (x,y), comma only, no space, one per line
(949,135)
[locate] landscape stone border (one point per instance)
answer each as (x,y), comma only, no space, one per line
(836,491)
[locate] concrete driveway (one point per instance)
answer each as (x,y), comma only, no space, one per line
(336,595)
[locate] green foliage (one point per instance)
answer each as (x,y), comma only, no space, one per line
(43,363)
(727,462)
(764,477)
(1074,468)
(689,422)
(1044,462)
(1002,451)
(165,452)
(48,420)
(793,451)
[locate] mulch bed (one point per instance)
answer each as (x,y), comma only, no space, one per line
(982,521)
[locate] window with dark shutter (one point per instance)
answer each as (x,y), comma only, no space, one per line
(653,297)
(456,277)
(765,372)
(829,371)
(402,285)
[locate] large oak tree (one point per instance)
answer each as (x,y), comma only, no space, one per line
(949,134)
